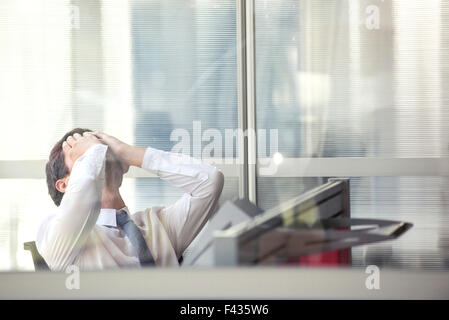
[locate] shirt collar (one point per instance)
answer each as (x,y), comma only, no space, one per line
(107,217)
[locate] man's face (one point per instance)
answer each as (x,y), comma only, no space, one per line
(113,172)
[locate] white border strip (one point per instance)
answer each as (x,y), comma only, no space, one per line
(228,283)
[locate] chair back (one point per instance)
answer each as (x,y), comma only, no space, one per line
(38,260)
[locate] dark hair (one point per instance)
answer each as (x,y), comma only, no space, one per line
(56,168)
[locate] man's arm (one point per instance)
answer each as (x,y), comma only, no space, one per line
(66,233)
(201,183)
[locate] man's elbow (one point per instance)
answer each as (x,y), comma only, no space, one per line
(217,182)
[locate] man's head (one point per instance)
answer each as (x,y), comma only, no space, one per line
(60,164)
(57,169)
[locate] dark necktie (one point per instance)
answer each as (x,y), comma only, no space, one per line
(134,235)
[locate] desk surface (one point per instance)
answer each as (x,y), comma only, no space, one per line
(230,283)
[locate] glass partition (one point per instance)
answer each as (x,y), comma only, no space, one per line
(148,72)
(343,88)
(352,85)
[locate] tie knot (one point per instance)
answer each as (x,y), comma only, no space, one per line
(122,218)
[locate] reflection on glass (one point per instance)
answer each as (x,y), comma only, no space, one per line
(337,83)
(360,79)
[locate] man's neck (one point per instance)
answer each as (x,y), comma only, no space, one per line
(111,199)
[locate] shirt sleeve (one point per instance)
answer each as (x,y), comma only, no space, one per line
(202,185)
(65,234)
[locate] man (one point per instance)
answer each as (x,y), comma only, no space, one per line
(92,227)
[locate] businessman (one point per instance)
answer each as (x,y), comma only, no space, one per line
(93,229)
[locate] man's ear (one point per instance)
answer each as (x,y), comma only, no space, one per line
(61,184)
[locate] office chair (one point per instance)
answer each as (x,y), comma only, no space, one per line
(38,260)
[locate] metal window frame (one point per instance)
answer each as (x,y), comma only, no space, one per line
(290,167)
(247,96)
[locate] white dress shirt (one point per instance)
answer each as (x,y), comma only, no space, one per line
(81,233)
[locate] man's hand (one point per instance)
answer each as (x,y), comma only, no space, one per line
(75,146)
(127,155)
